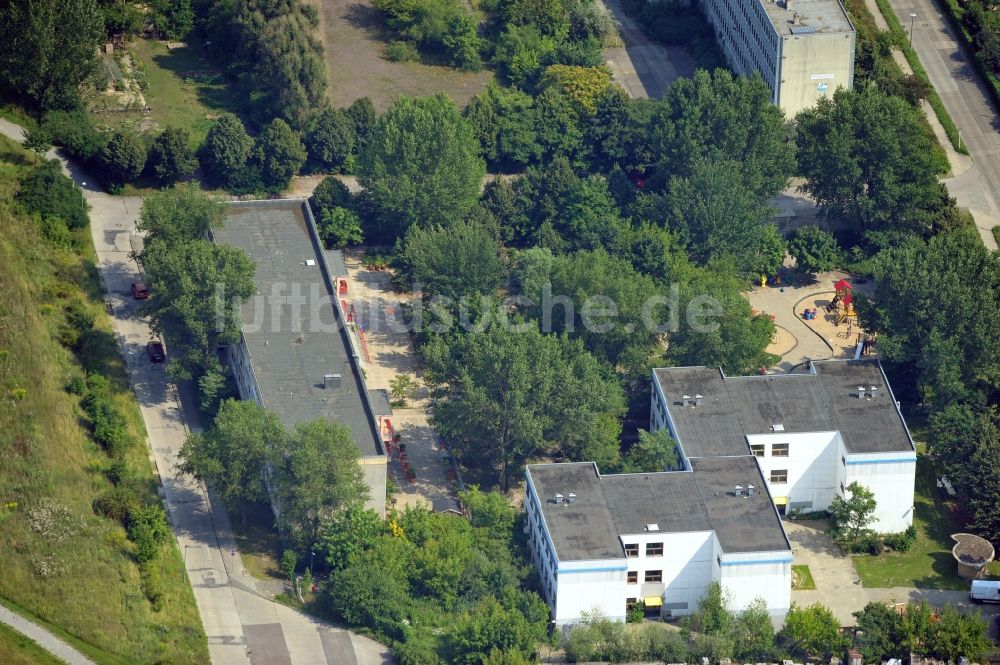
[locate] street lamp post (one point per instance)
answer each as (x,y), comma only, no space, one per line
(913,15)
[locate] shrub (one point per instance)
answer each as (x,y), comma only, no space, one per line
(49,193)
(902,541)
(147,529)
(866,544)
(75,131)
(123,158)
(117,503)
(340,227)
(402,51)
(635,613)
(171,157)
(152,586)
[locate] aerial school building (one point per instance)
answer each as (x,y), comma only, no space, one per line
(751,450)
(803,49)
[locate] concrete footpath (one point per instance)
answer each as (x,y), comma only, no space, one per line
(43,638)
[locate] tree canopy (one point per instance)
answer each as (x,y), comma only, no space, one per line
(454,261)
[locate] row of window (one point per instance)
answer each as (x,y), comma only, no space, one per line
(652,549)
(650,576)
(777,449)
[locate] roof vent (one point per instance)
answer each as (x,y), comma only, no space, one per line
(331,381)
(738,490)
(559,498)
(777,427)
(571,497)
(750,490)
(685,400)
(699,400)
(861,392)
(310,262)
(652,527)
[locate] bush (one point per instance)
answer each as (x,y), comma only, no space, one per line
(402,51)
(902,541)
(49,193)
(123,158)
(147,528)
(152,586)
(107,424)
(171,157)
(867,544)
(117,503)
(340,227)
(75,131)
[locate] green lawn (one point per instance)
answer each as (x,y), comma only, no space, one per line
(185,89)
(258,541)
(19,650)
(928,564)
(805,578)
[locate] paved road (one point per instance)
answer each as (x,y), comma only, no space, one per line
(242,625)
(968,102)
(43,638)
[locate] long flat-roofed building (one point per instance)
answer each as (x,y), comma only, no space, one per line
(803,49)
(295,356)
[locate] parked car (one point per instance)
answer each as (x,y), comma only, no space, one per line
(140,291)
(155,352)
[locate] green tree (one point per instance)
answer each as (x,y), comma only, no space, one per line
(868,159)
(620,131)
(123,158)
(347,534)
(179,214)
(46,191)
(362,113)
(985,461)
(812,631)
(713,616)
(49,49)
(226,149)
(232,454)
(329,194)
(171,157)
(753,634)
(716,213)
(279,152)
(716,117)
(75,131)
(37,140)
(454,261)
(881,633)
(421,165)
(340,227)
(369,595)
(173,19)
(315,476)
(484,628)
(654,451)
(955,635)
(505,396)
(503,121)
(329,139)
(814,249)
(851,515)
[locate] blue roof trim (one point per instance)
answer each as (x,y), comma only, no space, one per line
(606,569)
(751,562)
(891,460)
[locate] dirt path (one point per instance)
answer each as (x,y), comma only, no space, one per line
(356,65)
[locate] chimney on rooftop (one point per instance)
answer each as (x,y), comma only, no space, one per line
(685,400)
(571,497)
(699,400)
(331,381)
(738,490)
(750,489)
(559,498)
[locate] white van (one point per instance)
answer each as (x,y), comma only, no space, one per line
(985,591)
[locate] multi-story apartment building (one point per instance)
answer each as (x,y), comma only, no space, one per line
(803,49)
(295,355)
(751,448)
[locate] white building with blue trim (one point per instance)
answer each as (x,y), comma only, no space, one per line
(751,448)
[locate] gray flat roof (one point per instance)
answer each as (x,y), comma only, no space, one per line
(823,401)
(292,346)
(607,507)
(823,16)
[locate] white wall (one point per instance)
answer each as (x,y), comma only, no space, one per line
(585,586)
(890,476)
(811,464)
(686,567)
(747,576)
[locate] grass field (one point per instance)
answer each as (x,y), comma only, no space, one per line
(356,65)
(185,89)
(17,649)
(805,578)
(258,541)
(928,564)
(75,571)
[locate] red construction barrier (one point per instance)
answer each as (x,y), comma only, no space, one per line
(364,343)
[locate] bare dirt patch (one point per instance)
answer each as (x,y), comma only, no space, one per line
(354,41)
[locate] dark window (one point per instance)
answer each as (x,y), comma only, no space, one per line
(631,549)
(779,450)
(757,449)
(654,549)
(779,476)
(654,576)
(633,577)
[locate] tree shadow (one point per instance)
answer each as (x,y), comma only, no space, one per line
(191,65)
(367,18)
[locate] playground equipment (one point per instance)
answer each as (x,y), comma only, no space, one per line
(843,303)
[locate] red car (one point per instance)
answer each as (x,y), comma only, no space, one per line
(155,352)
(140,291)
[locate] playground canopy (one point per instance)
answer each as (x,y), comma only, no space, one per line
(843,285)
